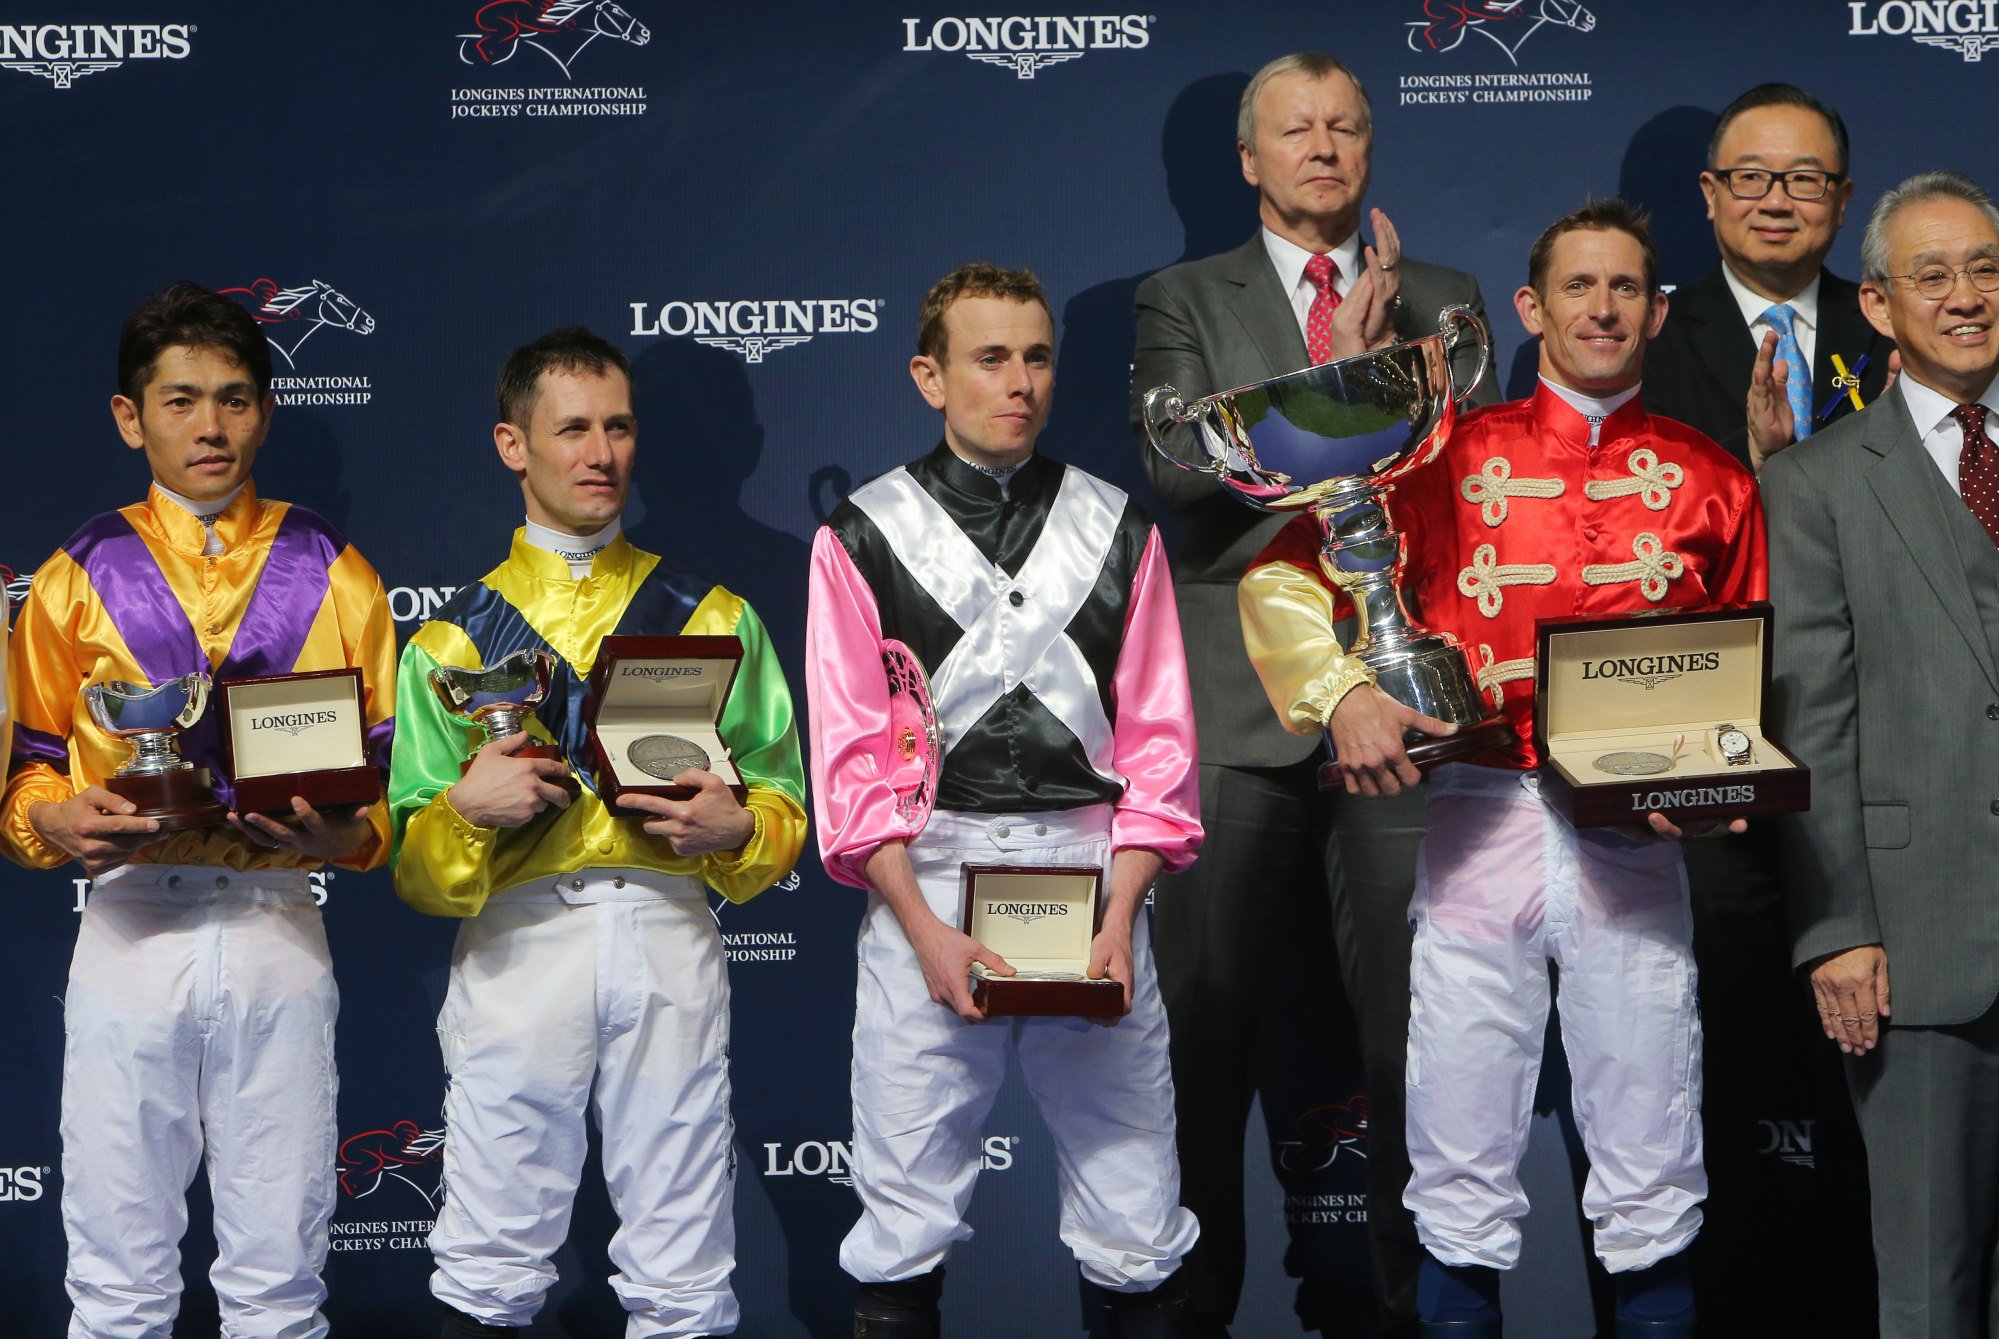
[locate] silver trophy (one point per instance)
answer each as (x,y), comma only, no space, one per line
(1334,439)
(164,785)
(501,697)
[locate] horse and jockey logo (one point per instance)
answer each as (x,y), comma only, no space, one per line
(562,30)
(1507,24)
(291,316)
(404,1152)
(1324,1133)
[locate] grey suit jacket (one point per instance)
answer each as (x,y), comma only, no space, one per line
(1205,326)
(1887,687)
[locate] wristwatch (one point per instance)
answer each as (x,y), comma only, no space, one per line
(1732,744)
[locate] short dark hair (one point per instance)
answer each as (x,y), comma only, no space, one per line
(1610,214)
(1779,95)
(190,316)
(979,279)
(570,349)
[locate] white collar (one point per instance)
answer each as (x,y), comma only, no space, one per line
(1289,259)
(1929,409)
(201,511)
(579,551)
(1804,303)
(1589,407)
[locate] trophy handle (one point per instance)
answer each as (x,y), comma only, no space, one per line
(1174,404)
(1449,321)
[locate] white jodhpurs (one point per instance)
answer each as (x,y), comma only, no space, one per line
(548,998)
(199,1019)
(924,1080)
(1505,886)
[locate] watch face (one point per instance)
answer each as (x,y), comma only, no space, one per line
(1734,741)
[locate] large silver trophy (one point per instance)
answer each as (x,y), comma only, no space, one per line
(500,698)
(1333,440)
(165,786)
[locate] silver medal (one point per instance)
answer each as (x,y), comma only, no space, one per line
(1634,764)
(666,756)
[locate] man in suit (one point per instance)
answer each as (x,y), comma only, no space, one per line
(1777,191)
(1303,285)
(1884,556)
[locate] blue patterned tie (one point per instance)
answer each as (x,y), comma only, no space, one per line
(1799,388)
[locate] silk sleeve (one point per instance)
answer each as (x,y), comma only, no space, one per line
(441,862)
(1152,742)
(1745,574)
(762,732)
(1288,618)
(847,697)
(369,636)
(44,678)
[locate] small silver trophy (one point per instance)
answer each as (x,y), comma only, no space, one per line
(1333,439)
(501,697)
(164,785)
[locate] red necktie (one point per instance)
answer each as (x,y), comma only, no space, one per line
(1978,469)
(1319,321)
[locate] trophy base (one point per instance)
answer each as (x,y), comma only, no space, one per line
(1429,750)
(179,801)
(567,780)
(1430,674)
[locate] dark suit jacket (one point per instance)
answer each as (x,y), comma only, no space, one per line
(1887,687)
(1205,326)
(1698,370)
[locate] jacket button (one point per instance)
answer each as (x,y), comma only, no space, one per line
(1992,712)
(1995,806)
(1008,832)
(1016,599)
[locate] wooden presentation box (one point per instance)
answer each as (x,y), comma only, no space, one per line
(1657,688)
(298,734)
(659,692)
(1041,919)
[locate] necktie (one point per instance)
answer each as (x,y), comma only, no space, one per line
(1799,387)
(212,542)
(1319,321)
(1978,469)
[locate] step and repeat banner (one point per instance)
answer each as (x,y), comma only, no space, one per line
(752,199)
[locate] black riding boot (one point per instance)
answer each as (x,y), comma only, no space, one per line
(458,1325)
(1457,1301)
(1159,1314)
(902,1310)
(1656,1303)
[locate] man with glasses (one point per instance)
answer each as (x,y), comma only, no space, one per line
(1884,556)
(1777,191)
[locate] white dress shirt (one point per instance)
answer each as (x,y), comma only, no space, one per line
(1289,259)
(1804,323)
(1943,435)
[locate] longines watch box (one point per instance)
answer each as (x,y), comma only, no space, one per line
(1661,713)
(654,710)
(298,734)
(1041,919)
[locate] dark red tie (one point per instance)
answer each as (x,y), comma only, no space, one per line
(1319,321)
(1978,469)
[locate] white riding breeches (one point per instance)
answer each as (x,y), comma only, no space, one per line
(924,1079)
(621,1006)
(1505,886)
(199,1019)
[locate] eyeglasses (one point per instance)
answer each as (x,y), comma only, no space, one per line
(1753,183)
(1936,281)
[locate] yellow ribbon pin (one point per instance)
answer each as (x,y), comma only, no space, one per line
(1849,381)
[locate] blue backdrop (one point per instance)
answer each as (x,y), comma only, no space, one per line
(752,199)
